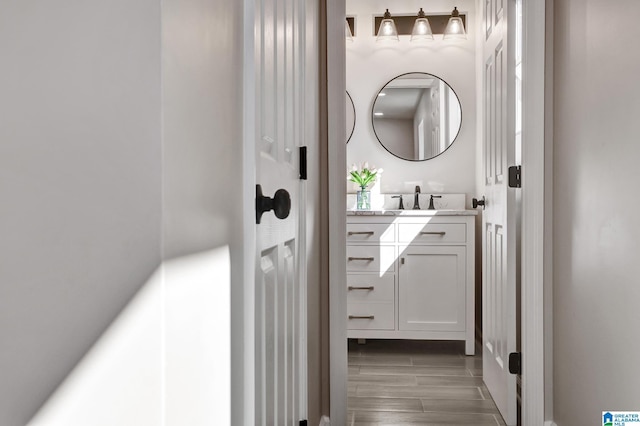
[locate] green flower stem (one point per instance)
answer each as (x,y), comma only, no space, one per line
(363,178)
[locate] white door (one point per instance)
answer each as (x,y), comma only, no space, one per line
(498,219)
(280,295)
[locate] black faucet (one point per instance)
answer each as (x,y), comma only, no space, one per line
(400,205)
(416,204)
(431,207)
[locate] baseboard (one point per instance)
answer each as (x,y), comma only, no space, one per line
(324,421)
(550,423)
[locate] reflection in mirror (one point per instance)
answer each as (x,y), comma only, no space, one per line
(351,117)
(416,116)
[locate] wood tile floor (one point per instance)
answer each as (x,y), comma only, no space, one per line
(407,383)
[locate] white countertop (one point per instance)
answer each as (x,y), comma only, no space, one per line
(412,212)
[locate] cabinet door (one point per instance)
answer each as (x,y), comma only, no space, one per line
(432,288)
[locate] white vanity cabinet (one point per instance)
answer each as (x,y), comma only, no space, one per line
(411,275)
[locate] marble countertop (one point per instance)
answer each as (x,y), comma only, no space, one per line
(412,212)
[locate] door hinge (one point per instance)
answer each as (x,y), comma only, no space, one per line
(303,423)
(515,363)
(303,163)
(515,177)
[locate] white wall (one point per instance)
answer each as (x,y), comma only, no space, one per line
(163,361)
(371,65)
(202,177)
(202,124)
(79,182)
(597,236)
(120,138)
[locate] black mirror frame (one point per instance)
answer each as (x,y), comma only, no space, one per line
(377,97)
(353,126)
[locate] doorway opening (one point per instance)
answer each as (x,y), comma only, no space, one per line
(353,345)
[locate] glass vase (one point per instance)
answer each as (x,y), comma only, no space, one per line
(363,200)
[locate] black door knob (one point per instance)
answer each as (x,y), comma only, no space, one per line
(475,203)
(280,203)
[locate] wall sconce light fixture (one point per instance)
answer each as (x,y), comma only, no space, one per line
(455,27)
(421,29)
(388,30)
(424,27)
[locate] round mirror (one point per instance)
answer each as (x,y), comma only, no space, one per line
(351,116)
(416,116)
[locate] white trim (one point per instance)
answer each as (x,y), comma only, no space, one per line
(324,421)
(243,350)
(533,213)
(337,163)
(548,213)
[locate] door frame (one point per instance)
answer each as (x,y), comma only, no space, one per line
(536,296)
(243,358)
(336,207)
(537,301)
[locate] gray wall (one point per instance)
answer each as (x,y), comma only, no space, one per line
(597,236)
(397,135)
(120,147)
(79,182)
(202,173)
(202,125)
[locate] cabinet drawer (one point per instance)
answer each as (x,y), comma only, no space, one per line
(370,288)
(370,316)
(370,233)
(432,233)
(370,258)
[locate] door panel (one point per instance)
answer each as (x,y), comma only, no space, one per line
(265,300)
(499,224)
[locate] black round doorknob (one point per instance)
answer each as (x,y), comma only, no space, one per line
(475,203)
(280,203)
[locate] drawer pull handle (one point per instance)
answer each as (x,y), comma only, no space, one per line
(441,233)
(370,288)
(351,233)
(369,317)
(368,259)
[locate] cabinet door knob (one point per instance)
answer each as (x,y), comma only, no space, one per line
(442,233)
(351,233)
(369,317)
